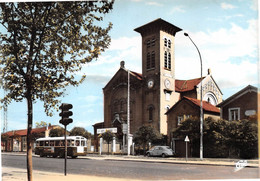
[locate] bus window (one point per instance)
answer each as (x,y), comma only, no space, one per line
(37,143)
(82,143)
(68,142)
(41,143)
(72,142)
(51,143)
(57,143)
(62,143)
(46,143)
(77,143)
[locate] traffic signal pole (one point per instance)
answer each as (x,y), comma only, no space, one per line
(65,155)
(65,120)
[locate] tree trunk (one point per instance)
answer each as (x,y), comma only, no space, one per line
(108,148)
(29,138)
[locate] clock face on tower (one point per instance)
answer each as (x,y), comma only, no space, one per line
(150,83)
(167,83)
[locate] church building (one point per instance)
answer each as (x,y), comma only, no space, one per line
(155,91)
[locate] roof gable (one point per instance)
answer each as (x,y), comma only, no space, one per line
(240,93)
(207,107)
(122,71)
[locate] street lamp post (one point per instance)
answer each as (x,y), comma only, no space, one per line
(201,110)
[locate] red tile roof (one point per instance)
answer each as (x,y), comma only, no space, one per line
(137,75)
(205,105)
(23,132)
(186,85)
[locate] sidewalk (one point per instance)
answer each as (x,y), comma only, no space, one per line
(174,160)
(15,174)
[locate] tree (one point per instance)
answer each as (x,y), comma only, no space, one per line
(221,138)
(108,137)
(190,127)
(44,45)
(41,124)
(80,131)
(58,132)
(146,134)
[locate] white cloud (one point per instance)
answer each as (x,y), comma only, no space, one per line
(126,49)
(230,53)
(227,6)
(177,9)
(153,3)
(124,43)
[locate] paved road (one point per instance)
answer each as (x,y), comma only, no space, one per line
(131,170)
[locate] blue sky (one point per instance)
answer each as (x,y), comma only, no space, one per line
(225,32)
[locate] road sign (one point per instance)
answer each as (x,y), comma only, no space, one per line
(187,139)
(101,131)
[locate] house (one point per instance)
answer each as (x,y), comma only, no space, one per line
(241,105)
(189,107)
(16,140)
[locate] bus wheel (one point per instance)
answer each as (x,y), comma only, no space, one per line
(61,155)
(54,156)
(74,156)
(41,154)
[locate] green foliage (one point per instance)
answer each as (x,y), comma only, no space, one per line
(80,131)
(41,124)
(58,132)
(45,44)
(190,127)
(38,135)
(108,137)
(221,138)
(144,135)
(244,138)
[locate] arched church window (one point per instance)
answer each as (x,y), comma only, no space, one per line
(150,113)
(153,59)
(153,42)
(148,44)
(169,43)
(169,61)
(165,59)
(165,42)
(115,106)
(148,61)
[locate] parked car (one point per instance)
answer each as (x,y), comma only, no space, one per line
(164,151)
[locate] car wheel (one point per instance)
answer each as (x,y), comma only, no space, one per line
(163,155)
(148,154)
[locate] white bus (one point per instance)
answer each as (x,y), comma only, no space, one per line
(55,146)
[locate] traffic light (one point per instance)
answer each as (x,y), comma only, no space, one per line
(65,114)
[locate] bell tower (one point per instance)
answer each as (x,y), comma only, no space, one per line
(158,70)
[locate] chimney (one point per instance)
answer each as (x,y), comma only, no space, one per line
(122,64)
(209,71)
